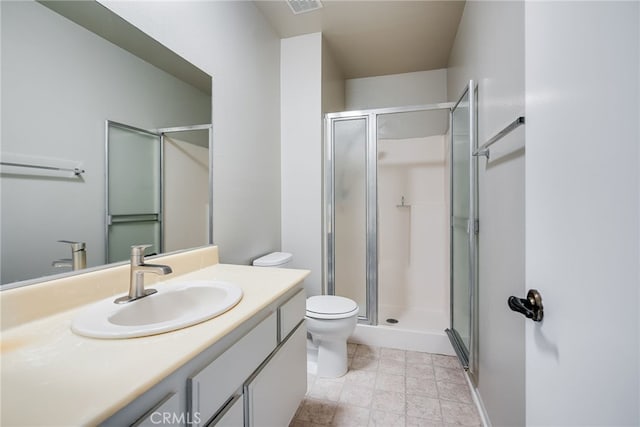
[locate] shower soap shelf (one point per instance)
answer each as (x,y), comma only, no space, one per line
(403,204)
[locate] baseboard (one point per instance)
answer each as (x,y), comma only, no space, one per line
(477,400)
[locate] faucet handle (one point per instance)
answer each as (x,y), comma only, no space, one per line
(75,246)
(138,250)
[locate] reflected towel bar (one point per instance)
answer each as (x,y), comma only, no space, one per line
(76,171)
(483,150)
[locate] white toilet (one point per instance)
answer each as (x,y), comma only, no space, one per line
(330,321)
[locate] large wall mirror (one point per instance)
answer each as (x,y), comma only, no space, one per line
(71,71)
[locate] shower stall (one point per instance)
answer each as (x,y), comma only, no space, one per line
(388,222)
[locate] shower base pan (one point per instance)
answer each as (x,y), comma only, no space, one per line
(415,330)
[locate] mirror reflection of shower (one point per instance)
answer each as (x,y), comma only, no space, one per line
(157,188)
(187,200)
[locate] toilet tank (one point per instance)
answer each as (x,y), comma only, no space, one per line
(274,259)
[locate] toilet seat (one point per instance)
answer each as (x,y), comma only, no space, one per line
(331,307)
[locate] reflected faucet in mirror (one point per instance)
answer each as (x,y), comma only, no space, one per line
(78,260)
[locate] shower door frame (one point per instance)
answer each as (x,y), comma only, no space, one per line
(371,274)
(468,357)
(371,165)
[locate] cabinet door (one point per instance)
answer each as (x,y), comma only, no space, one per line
(232,416)
(275,392)
(210,388)
(167,412)
(290,313)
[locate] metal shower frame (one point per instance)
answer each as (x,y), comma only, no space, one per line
(371,118)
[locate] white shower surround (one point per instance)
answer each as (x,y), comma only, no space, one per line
(413,242)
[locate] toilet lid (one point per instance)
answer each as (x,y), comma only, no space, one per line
(331,307)
(273,259)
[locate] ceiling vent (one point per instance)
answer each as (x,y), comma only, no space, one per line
(303,6)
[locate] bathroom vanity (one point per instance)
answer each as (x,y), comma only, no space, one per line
(244,367)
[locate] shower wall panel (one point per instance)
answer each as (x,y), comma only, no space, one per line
(412,237)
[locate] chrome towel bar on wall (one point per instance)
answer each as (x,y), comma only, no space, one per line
(483,150)
(75,171)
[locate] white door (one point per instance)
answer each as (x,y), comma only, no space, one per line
(582,234)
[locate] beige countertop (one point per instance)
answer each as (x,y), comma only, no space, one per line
(51,376)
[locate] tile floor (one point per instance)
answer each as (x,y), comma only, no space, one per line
(389,387)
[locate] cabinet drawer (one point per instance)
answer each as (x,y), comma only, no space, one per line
(210,388)
(291,313)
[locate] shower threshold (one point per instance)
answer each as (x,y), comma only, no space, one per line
(416,330)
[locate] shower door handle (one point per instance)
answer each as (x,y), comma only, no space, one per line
(531,306)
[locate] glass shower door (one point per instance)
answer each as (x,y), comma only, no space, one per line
(350,217)
(463,229)
(134,191)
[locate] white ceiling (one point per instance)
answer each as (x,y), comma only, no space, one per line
(374,38)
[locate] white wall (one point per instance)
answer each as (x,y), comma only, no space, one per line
(60,83)
(422,87)
(233,42)
(489,48)
(419,88)
(333,92)
(311,85)
(582,170)
(301,124)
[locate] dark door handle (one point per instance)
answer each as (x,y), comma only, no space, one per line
(531,306)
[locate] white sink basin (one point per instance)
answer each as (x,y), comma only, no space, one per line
(174,306)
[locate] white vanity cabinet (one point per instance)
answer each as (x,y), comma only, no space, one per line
(254,376)
(272,396)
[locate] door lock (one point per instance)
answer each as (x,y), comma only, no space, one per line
(531,306)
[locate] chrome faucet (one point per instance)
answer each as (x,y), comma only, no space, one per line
(138,269)
(78,260)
